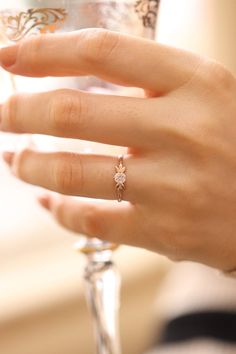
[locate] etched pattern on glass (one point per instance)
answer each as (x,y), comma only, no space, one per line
(147,11)
(38,20)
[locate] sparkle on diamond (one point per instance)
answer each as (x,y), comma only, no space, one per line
(120,177)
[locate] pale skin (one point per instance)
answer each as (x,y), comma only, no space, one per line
(180,196)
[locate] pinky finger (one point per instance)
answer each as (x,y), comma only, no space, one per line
(110,221)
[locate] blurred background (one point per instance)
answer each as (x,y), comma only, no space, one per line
(42,305)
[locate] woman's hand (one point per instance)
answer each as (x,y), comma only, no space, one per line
(181,165)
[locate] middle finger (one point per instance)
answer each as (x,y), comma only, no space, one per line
(114,120)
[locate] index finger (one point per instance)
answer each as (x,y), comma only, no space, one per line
(111,56)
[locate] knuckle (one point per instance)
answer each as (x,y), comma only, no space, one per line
(92,225)
(68,174)
(220,76)
(216,77)
(98,45)
(9,113)
(65,112)
(63,175)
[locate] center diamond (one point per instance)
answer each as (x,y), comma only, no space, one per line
(120,177)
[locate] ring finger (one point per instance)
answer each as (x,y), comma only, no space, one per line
(72,174)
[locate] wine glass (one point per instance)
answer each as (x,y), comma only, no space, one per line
(22,18)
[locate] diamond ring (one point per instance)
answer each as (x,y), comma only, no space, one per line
(120,178)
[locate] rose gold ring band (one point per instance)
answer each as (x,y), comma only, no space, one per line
(120,178)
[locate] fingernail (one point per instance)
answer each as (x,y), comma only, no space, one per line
(44,200)
(8,157)
(8,55)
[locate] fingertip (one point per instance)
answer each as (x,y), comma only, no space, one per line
(8,56)
(44,201)
(8,157)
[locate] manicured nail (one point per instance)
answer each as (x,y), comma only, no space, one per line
(8,55)
(44,200)
(8,157)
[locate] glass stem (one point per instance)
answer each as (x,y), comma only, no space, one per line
(103,295)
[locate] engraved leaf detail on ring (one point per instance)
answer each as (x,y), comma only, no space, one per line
(120,177)
(147,11)
(38,20)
